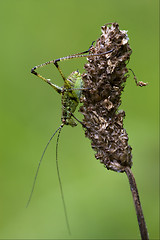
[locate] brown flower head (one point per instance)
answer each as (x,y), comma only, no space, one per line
(104,79)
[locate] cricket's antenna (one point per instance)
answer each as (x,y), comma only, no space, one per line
(35,178)
(60,183)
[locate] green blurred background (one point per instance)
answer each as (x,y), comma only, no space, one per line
(99,201)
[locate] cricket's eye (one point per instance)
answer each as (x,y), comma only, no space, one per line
(63,120)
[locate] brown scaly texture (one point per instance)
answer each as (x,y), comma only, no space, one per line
(105,77)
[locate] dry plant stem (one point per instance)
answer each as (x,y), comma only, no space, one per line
(139,212)
(105,78)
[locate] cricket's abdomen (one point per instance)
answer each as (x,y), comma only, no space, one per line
(70,97)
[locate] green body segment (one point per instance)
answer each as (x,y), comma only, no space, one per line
(71,93)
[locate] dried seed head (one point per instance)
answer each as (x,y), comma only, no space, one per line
(105,77)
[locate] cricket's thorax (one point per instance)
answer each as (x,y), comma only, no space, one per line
(71,94)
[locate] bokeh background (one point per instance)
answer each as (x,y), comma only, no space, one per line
(99,202)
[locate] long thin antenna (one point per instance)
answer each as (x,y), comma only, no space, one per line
(35,178)
(60,184)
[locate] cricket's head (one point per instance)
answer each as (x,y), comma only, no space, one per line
(68,121)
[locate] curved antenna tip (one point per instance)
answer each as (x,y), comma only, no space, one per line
(35,178)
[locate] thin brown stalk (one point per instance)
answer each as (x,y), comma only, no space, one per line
(137,203)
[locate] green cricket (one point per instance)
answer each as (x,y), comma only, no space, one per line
(70,98)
